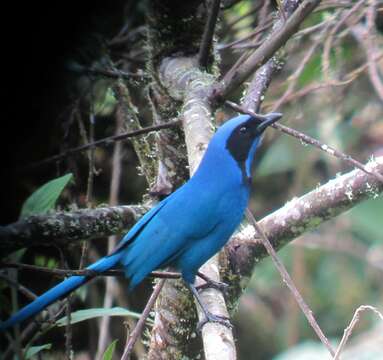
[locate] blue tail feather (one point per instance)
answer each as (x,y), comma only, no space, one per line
(58,291)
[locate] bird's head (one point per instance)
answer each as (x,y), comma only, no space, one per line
(241,136)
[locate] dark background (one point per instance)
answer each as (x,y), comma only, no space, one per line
(36,48)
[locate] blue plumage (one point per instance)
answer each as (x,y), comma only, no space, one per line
(189,226)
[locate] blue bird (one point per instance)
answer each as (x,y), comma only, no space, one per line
(189,226)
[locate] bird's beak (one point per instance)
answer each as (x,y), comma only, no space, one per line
(267,120)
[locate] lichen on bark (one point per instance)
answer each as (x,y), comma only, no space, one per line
(174,29)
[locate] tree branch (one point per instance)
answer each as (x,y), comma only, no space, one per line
(113,74)
(368,38)
(67,227)
(303,214)
(218,340)
(136,333)
(232,80)
(311,141)
(142,146)
(85,272)
(186,82)
(206,43)
(290,284)
(103,142)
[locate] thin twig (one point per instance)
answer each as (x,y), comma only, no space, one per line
(293,79)
(141,322)
(349,78)
(290,284)
(367,37)
(207,38)
(258,5)
(256,31)
(14,344)
(114,74)
(330,5)
(281,10)
(111,283)
(68,334)
(104,142)
(68,329)
(329,40)
(91,159)
(263,76)
(355,319)
(22,289)
(85,272)
(264,52)
(84,247)
(311,141)
(38,329)
(371,49)
(312,29)
(262,19)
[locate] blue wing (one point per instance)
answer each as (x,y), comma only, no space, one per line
(140,225)
(166,232)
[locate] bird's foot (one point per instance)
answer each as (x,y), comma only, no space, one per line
(209,317)
(209,283)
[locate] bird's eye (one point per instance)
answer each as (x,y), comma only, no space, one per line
(243,129)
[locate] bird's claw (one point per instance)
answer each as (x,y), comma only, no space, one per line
(218,285)
(209,317)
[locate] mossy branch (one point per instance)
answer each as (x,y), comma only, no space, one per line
(64,228)
(299,216)
(142,146)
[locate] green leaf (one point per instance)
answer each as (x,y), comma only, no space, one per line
(108,354)
(82,315)
(45,197)
(33,350)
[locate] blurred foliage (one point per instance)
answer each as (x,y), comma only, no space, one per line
(334,280)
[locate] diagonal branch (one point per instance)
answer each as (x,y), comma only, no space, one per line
(368,38)
(290,284)
(263,76)
(314,142)
(104,142)
(135,334)
(129,117)
(276,40)
(206,43)
(303,214)
(355,319)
